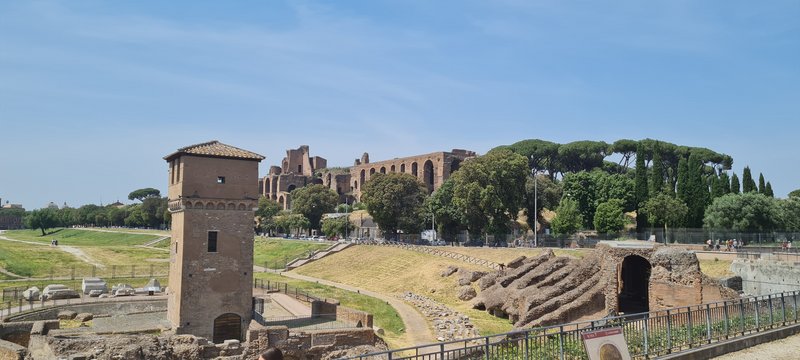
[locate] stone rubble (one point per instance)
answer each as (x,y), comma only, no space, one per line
(447,324)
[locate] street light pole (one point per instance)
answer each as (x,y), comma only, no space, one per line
(535,209)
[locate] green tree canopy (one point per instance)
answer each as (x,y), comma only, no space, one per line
(142,194)
(337,226)
(568,218)
(609,217)
(794,193)
(548,195)
(312,201)
(666,210)
(289,222)
(266,212)
(748,184)
(790,213)
(735,186)
(743,212)
(762,185)
(489,191)
(41,219)
(440,203)
(395,201)
(697,194)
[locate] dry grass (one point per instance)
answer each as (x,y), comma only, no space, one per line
(392,271)
(126,255)
(716,268)
(505,255)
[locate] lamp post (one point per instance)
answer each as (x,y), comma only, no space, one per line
(535,208)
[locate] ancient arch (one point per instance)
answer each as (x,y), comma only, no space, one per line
(634,284)
(281,201)
(220,206)
(291,188)
(227,327)
(371,171)
(402,168)
(428,174)
(383,169)
(328,183)
(414,168)
(231,206)
(362,178)
(242,206)
(210,206)
(198,205)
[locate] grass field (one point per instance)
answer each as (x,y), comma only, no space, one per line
(385,316)
(77,237)
(32,260)
(126,255)
(716,268)
(275,252)
(392,271)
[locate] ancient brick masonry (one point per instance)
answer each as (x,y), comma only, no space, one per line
(550,289)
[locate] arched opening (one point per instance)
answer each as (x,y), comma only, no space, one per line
(392,169)
(227,327)
(371,171)
(634,282)
(383,170)
(355,185)
(414,168)
(454,165)
(291,188)
(403,168)
(328,183)
(428,175)
(281,202)
(362,177)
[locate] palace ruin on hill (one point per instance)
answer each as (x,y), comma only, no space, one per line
(300,169)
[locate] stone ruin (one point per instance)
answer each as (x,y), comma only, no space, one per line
(616,278)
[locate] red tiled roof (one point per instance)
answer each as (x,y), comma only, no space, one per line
(215,149)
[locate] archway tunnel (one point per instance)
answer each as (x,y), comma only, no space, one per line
(634,286)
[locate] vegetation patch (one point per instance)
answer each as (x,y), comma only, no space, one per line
(77,237)
(716,268)
(33,260)
(274,253)
(392,271)
(384,314)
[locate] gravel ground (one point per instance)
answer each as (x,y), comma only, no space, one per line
(784,349)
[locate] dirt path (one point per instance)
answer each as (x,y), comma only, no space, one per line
(417,331)
(784,349)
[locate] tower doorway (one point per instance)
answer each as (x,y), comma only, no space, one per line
(226,327)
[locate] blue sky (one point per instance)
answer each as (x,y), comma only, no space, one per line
(94,93)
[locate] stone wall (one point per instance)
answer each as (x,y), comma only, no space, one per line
(312,345)
(12,351)
(97,308)
(767,275)
(340,313)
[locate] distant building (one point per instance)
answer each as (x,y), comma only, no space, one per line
(52,205)
(117,204)
(11,216)
(299,169)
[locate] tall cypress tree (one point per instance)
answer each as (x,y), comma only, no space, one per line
(768,190)
(716,187)
(761,185)
(656,180)
(696,191)
(734,184)
(640,188)
(725,183)
(683,176)
(748,185)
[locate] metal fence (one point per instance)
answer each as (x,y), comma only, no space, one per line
(316,322)
(110,271)
(648,334)
(275,286)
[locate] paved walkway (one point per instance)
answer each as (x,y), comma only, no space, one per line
(292,305)
(417,331)
(783,349)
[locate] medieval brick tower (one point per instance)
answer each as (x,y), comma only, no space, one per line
(213,190)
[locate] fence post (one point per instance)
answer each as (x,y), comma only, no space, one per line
(741,313)
(441,351)
(561,342)
(794,296)
(783,309)
(771,317)
(72,273)
(689,318)
(113,271)
(669,333)
(708,322)
(525,347)
(94,270)
(758,323)
(725,312)
(646,343)
(486,349)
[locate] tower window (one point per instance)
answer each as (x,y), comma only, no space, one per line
(212,241)
(220,179)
